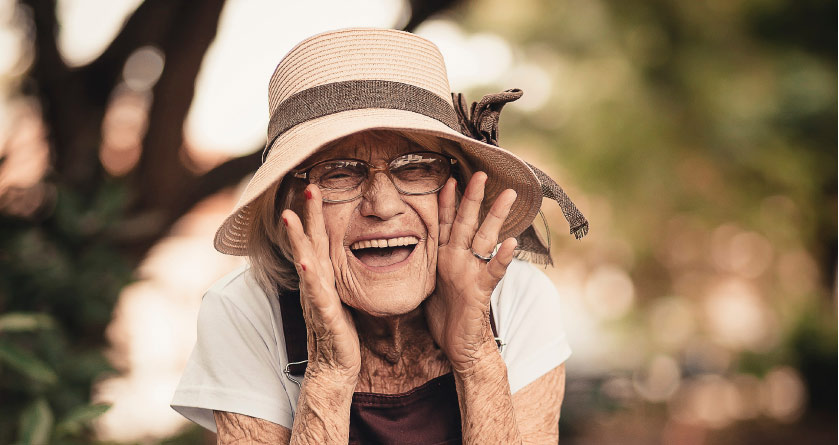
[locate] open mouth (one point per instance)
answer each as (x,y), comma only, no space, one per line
(384,252)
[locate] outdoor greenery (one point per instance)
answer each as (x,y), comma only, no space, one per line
(698,137)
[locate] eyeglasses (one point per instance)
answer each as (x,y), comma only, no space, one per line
(342,180)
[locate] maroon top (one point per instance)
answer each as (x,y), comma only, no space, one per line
(428,414)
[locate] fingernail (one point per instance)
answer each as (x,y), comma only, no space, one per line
(285,221)
(308,193)
(303,266)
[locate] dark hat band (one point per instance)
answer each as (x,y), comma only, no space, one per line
(330,98)
(479,122)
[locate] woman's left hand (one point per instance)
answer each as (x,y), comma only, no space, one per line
(458,309)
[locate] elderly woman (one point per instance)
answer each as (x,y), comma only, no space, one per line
(379,306)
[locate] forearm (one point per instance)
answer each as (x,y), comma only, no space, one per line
(323,411)
(323,417)
(486,406)
(240,429)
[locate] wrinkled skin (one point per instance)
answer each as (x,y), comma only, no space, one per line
(441,268)
(392,328)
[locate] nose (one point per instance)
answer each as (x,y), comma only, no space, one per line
(381,199)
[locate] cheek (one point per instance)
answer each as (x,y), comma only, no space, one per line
(335,221)
(426,208)
(428,213)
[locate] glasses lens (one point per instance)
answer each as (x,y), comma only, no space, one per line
(419,173)
(338,179)
(412,173)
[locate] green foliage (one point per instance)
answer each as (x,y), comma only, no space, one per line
(677,114)
(36,423)
(24,322)
(61,278)
(681,121)
(27,364)
(76,420)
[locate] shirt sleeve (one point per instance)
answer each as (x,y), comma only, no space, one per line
(529,321)
(233,366)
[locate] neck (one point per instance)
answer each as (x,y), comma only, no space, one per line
(397,352)
(393,339)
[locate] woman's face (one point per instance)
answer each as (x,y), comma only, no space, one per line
(381,281)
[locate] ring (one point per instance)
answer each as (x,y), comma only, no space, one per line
(481,257)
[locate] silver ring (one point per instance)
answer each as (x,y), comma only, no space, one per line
(481,257)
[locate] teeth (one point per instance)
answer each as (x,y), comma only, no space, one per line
(389,242)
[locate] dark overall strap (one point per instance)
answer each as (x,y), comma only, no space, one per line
(294,330)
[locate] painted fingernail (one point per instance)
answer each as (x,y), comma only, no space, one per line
(303,266)
(285,221)
(308,193)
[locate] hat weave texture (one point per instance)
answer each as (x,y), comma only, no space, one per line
(357,56)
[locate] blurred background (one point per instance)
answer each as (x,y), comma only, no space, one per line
(699,137)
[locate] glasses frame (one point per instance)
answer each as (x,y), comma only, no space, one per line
(371,170)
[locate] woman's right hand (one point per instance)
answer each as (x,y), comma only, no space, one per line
(332,337)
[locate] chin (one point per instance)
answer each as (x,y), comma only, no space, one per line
(391,301)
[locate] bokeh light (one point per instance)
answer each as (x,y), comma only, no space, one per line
(698,138)
(123,129)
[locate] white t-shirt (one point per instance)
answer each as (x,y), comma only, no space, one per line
(238,360)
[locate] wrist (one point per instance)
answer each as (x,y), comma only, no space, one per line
(487,356)
(323,408)
(329,378)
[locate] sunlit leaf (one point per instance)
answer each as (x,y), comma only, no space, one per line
(25,321)
(36,423)
(79,418)
(26,363)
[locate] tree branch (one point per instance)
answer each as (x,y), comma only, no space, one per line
(142,230)
(48,71)
(227,174)
(161,173)
(45,33)
(421,10)
(150,24)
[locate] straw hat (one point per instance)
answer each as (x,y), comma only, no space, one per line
(342,82)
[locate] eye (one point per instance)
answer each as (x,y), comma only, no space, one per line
(417,166)
(336,174)
(339,174)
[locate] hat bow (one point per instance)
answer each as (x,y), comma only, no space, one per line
(480,122)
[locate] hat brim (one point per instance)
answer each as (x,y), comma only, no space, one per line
(504,169)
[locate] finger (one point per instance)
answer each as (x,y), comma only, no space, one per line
(304,260)
(446,211)
(300,244)
(497,266)
(311,337)
(315,228)
(487,236)
(466,221)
